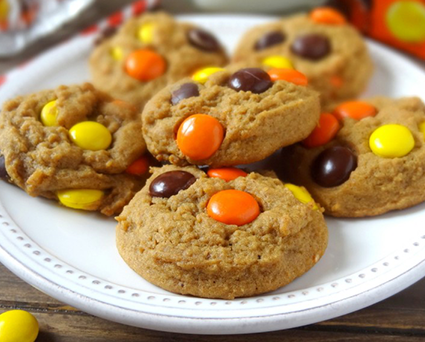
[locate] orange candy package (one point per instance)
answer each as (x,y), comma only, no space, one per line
(399,23)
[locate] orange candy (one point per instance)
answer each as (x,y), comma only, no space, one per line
(139,167)
(233,207)
(145,65)
(289,75)
(354,109)
(226,173)
(325,131)
(200,136)
(327,15)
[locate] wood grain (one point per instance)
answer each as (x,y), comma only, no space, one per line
(399,318)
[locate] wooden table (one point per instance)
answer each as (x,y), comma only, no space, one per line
(399,318)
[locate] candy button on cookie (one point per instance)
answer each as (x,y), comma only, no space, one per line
(354,109)
(117,53)
(301,194)
(203,40)
(327,15)
(170,183)
(333,166)
(200,136)
(269,39)
(202,75)
(18,326)
(49,114)
(90,135)
(391,141)
(288,75)
(279,62)
(145,65)
(139,167)
(325,131)
(311,46)
(254,80)
(145,33)
(80,198)
(233,207)
(406,21)
(185,91)
(226,173)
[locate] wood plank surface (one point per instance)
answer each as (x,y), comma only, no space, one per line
(399,318)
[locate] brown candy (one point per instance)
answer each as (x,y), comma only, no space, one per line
(203,40)
(255,80)
(311,46)
(170,183)
(269,39)
(333,166)
(185,91)
(3,172)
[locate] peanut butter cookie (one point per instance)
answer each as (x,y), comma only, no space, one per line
(228,118)
(321,45)
(74,144)
(148,53)
(225,236)
(369,163)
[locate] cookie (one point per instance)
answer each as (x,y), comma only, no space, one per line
(321,45)
(149,52)
(220,118)
(367,160)
(209,237)
(74,144)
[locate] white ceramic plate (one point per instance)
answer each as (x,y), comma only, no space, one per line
(71,255)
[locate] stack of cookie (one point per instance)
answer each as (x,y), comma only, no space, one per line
(364,158)
(83,146)
(203,224)
(220,232)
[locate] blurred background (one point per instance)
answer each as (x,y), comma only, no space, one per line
(28,27)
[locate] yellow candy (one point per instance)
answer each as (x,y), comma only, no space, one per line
(391,141)
(117,53)
(422,128)
(202,75)
(90,135)
(301,194)
(18,326)
(145,33)
(80,198)
(406,21)
(49,114)
(278,62)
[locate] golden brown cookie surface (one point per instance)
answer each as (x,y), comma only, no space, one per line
(72,138)
(174,243)
(374,164)
(149,52)
(334,57)
(256,117)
